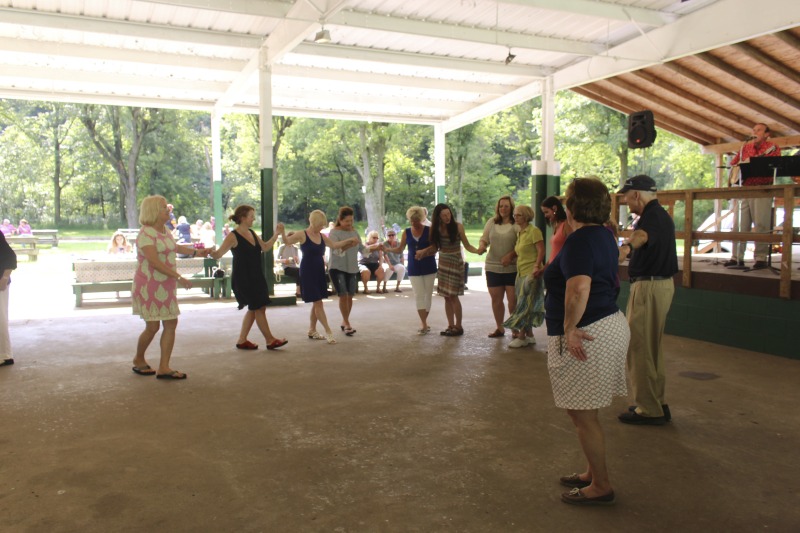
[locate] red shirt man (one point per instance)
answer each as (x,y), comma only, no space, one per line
(758,147)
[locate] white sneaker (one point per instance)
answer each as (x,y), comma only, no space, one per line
(517,343)
(529,341)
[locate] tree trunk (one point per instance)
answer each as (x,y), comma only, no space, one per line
(142,122)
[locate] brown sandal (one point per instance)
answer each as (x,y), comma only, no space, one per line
(496,334)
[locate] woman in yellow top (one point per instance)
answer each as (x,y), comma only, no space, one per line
(529,251)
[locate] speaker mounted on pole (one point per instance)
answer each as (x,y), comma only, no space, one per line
(641,129)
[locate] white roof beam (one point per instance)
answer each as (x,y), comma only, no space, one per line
(605,10)
(258,8)
(123,81)
(107,54)
(463,33)
(312,98)
(392,80)
(523,94)
(301,20)
(123,101)
(286,111)
(420,60)
(126,28)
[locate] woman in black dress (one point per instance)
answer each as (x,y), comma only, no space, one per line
(249,284)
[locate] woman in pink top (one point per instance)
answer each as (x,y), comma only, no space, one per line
(554,212)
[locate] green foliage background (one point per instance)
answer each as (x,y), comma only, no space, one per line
(316,163)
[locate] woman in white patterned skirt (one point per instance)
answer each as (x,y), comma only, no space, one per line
(587,334)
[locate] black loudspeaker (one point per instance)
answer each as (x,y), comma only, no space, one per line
(641,129)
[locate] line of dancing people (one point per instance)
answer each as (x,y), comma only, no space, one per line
(513,269)
(588,337)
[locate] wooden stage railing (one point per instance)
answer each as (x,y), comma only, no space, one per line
(685,231)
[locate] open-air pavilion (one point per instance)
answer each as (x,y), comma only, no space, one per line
(387,431)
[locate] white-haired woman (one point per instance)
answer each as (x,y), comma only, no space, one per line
(371,263)
(421,272)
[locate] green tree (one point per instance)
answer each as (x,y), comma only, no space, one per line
(118,133)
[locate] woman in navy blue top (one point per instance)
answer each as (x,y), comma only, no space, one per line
(587,334)
(421,272)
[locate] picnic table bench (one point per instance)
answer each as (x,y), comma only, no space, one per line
(117,276)
(24,245)
(47,236)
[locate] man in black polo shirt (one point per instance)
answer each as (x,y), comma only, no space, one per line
(653,263)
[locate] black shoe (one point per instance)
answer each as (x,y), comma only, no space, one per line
(664,407)
(6,362)
(632,417)
(733,263)
(759,265)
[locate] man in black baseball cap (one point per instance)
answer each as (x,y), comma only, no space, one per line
(654,262)
(639,183)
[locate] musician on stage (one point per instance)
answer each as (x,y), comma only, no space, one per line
(754,211)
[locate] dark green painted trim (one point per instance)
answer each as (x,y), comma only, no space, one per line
(544,185)
(266,225)
(766,325)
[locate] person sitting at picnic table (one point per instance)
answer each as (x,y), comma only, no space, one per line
(289,258)
(24,228)
(119,244)
(8,228)
(184,230)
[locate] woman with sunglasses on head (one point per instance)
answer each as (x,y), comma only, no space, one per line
(529,250)
(394,262)
(421,270)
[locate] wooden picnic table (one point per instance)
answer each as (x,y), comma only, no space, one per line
(47,236)
(24,245)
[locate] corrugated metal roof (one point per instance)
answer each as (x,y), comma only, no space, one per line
(421,61)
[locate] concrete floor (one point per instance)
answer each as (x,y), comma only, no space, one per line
(386,431)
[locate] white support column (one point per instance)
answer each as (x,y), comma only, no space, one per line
(548,122)
(216,171)
(269,214)
(546,173)
(439,163)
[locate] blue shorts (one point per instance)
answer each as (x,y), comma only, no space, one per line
(344,282)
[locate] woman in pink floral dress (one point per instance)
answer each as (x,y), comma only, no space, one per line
(155,285)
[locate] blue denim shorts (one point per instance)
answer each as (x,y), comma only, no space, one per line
(344,282)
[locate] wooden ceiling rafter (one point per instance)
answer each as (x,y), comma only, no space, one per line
(754,82)
(628,106)
(652,77)
(674,107)
(765,59)
(701,79)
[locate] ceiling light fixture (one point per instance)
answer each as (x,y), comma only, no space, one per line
(510,57)
(323,36)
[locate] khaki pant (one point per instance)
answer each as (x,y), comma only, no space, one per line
(647,310)
(755,215)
